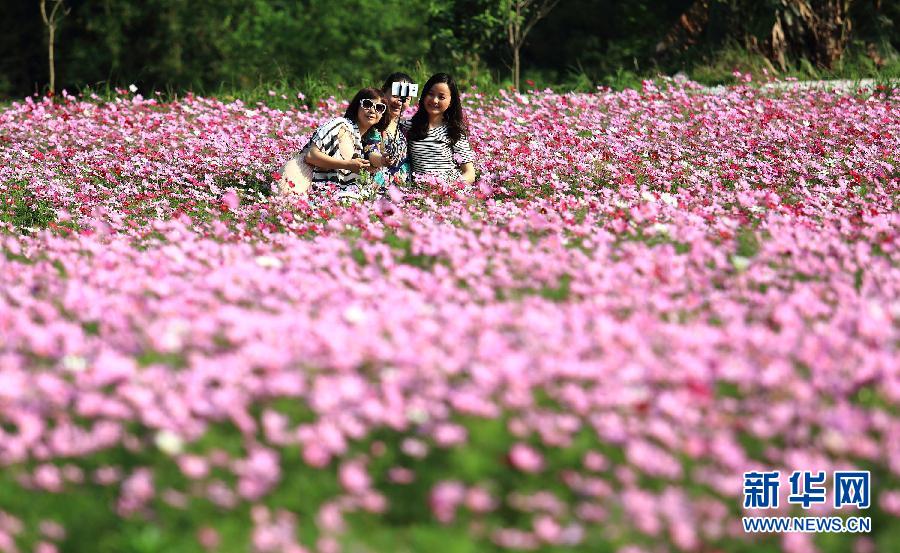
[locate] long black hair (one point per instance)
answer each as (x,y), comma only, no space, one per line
(352,112)
(453,117)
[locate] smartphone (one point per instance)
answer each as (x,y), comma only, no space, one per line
(404,89)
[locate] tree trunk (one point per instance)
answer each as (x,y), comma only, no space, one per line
(687,30)
(51,21)
(815,29)
(521,17)
(514,26)
(516,66)
(50,43)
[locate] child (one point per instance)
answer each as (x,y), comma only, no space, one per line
(437,133)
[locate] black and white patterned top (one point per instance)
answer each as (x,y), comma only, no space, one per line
(326,139)
(437,155)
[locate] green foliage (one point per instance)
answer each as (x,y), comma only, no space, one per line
(23,209)
(715,66)
(747,242)
(718,66)
(465,31)
(246,47)
(207,45)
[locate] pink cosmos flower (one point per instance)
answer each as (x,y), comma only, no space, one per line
(444,499)
(447,435)
(525,458)
(231,199)
(193,466)
(330,519)
(353,477)
(401,475)
(479,500)
(395,194)
(208,537)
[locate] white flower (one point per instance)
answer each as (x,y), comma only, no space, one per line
(172,338)
(269,261)
(740,263)
(169,442)
(132,87)
(670,199)
(354,314)
(417,415)
(74,363)
(895,310)
(660,228)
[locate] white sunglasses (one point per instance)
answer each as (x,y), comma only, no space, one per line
(366,103)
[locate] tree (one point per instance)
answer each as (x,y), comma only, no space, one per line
(486,21)
(816,29)
(51,22)
(688,29)
(521,17)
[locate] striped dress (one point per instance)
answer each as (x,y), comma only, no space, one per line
(437,155)
(338,138)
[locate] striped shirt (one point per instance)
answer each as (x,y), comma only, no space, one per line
(328,139)
(437,155)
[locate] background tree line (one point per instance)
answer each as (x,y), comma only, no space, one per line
(211,45)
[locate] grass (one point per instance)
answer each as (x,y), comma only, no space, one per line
(283,93)
(716,68)
(25,211)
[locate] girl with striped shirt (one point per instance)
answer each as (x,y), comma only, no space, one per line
(437,139)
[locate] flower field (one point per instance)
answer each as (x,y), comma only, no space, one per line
(647,294)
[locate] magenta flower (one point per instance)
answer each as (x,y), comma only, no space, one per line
(231,199)
(525,458)
(353,477)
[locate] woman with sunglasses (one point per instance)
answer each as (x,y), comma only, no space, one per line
(336,151)
(387,151)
